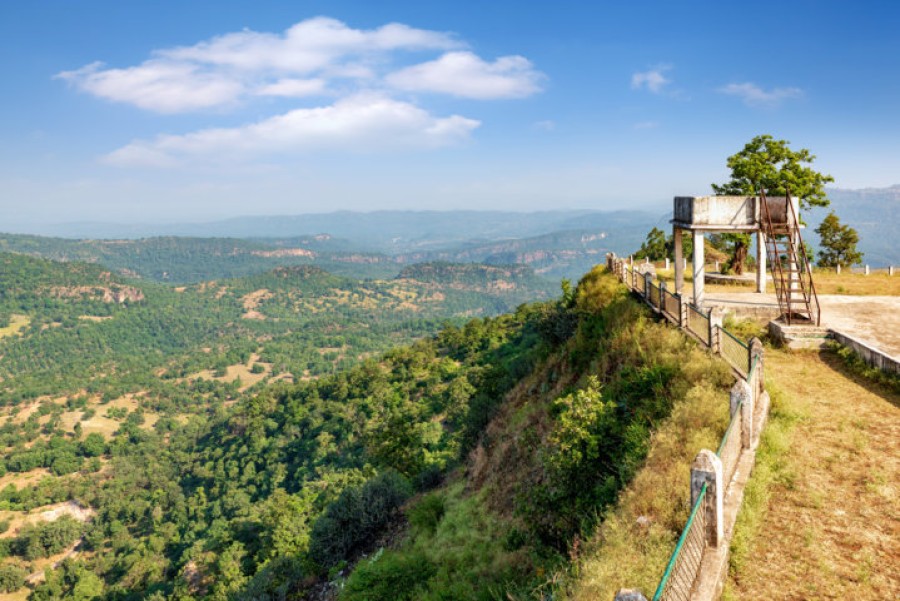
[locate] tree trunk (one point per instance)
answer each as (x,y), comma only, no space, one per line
(740,257)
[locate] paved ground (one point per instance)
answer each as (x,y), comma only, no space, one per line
(873,319)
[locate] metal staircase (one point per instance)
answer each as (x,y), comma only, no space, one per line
(789,264)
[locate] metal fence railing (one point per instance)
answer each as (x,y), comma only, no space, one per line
(653,294)
(734,351)
(683,567)
(698,323)
(684,564)
(730,448)
(672,306)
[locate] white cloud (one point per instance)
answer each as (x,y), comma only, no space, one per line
(466,75)
(362,122)
(222,70)
(157,85)
(293,88)
(753,95)
(653,80)
(307,46)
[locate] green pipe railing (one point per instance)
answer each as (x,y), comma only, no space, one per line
(670,567)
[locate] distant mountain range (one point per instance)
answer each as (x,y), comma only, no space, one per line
(556,244)
(874,213)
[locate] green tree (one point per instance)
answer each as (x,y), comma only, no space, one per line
(769,164)
(654,247)
(838,243)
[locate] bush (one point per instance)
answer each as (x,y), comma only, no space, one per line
(12,578)
(356,516)
(427,513)
(390,577)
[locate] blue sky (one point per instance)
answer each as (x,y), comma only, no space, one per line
(183,111)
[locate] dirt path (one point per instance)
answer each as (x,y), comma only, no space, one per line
(832,530)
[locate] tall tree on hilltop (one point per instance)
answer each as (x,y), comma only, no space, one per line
(838,243)
(769,164)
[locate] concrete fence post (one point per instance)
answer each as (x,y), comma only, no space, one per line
(867,270)
(838,269)
(756,354)
(707,469)
(629,594)
(682,311)
(743,395)
(662,297)
(716,317)
(667,263)
(648,279)
(890,270)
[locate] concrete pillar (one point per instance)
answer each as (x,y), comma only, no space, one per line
(707,469)
(662,296)
(699,271)
(867,270)
(629,594)
(648,279)
(890,270)
(667,263)
(682,311)
(838,268)
(741,393)
(760,262)
(716,317)
(679,261)
(717,266)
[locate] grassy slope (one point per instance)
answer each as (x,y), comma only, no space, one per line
(479,534)
(821,513)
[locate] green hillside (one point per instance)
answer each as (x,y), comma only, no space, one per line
(469,462)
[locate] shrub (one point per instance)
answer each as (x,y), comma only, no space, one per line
(427,513)
(356,516)
(12,578)
(390,577)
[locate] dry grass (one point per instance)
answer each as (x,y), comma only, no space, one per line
(828,525)
(633,543)
(826,281)
(16,324)
(23,479)
(233,372)
(875,284)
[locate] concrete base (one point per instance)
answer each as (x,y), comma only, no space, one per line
(799,337)
(747,279)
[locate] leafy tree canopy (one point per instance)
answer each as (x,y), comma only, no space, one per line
(771,164)
(838,243)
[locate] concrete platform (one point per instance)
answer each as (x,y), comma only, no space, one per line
(872,319)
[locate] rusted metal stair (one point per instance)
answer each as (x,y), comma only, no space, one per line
(790,267)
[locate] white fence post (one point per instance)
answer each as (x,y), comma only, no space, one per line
(742,394)
(707,469)
(629,594)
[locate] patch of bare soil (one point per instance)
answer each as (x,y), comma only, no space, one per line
(832,531)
